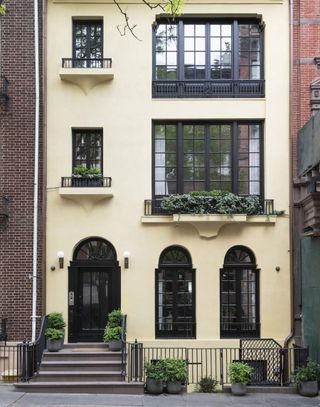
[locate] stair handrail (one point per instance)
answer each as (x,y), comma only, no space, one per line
(131,355)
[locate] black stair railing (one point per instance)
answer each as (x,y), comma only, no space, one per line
(29,354)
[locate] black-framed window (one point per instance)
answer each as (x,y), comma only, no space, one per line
(208,50)
(239,294)
(197,156)
(87,147)
(175,295)
(87,43)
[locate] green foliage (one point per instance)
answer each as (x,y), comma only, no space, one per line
(3,9)
(240,372)
(206,385)
(175,370)
(213,202)
(81,171)
(112,333)
(115,318)
(54,334)
(56,321)
(155,370)
(174,7)
(308,373)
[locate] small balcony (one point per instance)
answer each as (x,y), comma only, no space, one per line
(208,89)
(4,88)
(86,73)
(207,224)
(94,188)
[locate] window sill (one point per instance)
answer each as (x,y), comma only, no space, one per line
(209,225)
(86,78)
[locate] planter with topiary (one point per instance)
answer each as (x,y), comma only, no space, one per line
(175,373)
(54,337)
(307,378)
(113,331)
(56,321)
(86,177)
(240,374)
(154,376)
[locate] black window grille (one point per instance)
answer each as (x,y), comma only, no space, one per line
(208,58)
(239,295)
(87,148)
(175,295)
(87,44)
(196,156)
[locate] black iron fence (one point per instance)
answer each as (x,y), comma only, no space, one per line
(154,207)
(85,182)
(29,354)
(208,89)
(86,63)
(271,366)
(4,87)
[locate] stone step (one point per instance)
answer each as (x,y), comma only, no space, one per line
(87,366)
(78,376)
(79,346)
(81,387)
(69,355)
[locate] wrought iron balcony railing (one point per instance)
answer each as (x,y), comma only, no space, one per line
(85,182)
(4,207)
(176,329)
(86,63)
(153,207)
(208,89)
(4,86)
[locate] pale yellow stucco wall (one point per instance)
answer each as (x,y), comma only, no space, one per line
(123,107)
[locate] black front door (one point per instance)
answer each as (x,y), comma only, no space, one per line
(94,289)
(93,293)
(94,302)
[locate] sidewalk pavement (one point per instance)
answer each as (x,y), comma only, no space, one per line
(9,398)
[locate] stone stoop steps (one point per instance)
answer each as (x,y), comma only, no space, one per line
(81,368)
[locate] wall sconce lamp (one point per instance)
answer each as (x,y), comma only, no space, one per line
(60,256)
(126,255)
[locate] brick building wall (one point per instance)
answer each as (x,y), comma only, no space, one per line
(17,168)
(306,46)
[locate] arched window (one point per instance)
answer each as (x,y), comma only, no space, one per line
(95,249)
(175,294)
(239,294)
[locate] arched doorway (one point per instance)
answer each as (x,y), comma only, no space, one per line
(94,289)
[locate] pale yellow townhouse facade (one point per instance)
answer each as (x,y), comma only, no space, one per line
(196,103)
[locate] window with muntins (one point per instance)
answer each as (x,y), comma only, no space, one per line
(211,58)
(87,44)
(239,295)
(196,156)
(175,295)
(87,148)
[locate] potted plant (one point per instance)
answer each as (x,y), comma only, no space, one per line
(307,379)
(56,321)
(175,372)
(154,376)
(113,330)
(82,176)
(54,337)
(206,385)
(240,374)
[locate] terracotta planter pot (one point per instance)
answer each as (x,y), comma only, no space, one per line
(174,387)
(154,386)
(238,389)
(308,389)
